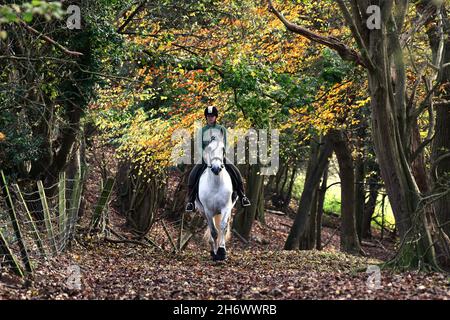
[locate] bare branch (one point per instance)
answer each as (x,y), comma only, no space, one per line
(400,15)
(428,12)
(356,29)
(440,51)
(363,31)
(131,16)
(434,168)
(414,89)
(342,49)
(420,148)
(426,101)
(50,40)
(442,103)
(387,9)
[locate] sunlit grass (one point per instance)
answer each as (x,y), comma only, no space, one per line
(332,204)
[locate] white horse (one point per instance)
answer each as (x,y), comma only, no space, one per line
(214,198)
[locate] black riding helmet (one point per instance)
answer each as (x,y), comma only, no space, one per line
(211,110)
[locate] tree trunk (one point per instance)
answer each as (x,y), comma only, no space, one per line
(280,173)
(269,186)
(316,168)
(418,164)
(349,237)
(260,213)
(320,201)
(441,147)
(359,194)
(441,143)
(369,209)
(277,197)
(395,171)
(176,205)
(285,178)
(76,165)
(139,198)
(290,187)
(308,239)
(244,218)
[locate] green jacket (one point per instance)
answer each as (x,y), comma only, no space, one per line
(205,134)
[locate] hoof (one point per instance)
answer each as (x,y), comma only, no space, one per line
(213,256)
(221,254)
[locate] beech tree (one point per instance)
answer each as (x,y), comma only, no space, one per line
(381,52)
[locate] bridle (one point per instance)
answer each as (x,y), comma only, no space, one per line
(216,158)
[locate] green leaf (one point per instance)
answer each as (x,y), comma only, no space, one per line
(28,17)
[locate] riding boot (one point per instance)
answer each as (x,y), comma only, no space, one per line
(238,184)
(190,206)
(192,186)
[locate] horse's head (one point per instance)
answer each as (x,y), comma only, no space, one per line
(215,154)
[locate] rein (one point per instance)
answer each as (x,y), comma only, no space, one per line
(216,158)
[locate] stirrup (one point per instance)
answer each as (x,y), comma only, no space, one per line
(190,207)
(245,202)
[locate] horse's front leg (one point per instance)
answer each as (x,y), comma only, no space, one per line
(213,235)
(224,228)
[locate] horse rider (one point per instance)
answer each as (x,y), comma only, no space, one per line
(208,131)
